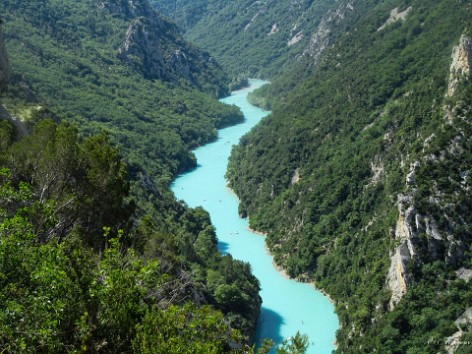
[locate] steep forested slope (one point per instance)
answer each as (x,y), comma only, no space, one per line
(361,176)
(257,37)
(117,65)
(95,253)
(78,274)
(90,62)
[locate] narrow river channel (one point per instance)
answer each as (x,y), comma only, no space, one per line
(288,306)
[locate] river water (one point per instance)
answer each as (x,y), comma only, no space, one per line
(288,306)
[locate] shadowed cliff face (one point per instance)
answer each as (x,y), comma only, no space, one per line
(5,69)
(154,47)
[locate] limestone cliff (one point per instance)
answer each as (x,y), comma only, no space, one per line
(398,279)
(5,69)
(427,236)
(464,321)
(154,47)
(461,63)
(142,50)
(395,15)
(321,38)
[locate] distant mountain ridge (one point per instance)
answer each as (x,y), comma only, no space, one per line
(267,37)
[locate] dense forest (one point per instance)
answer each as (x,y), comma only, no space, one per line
(96,254)
(80,275)
(360,176)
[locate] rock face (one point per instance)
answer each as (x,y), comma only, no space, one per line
(151,43)
(464,274)
(321,38)
(395,15)
(419,236)
(397,278)
(5,69)
(154,47)
(461,63)
(142,50)
(453,342)
(145,40)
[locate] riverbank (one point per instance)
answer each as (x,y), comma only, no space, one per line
(282,271)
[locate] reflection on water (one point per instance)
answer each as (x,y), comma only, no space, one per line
(269,325)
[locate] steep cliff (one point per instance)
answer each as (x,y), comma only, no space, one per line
(461,63)
(153,46)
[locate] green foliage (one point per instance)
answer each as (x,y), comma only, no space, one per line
(297,344)
(6,135)
(81,79)
(39,290)
(68,62)
(65,185)
(322,175)
(256,33)
(73,272)
(185,329)
(75,184)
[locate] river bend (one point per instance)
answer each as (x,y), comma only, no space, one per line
(288,306)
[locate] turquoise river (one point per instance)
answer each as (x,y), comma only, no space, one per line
(288,306)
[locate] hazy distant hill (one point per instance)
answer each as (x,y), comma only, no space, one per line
(256,37)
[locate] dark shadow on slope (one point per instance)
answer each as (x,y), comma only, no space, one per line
(269,326)
(223,247)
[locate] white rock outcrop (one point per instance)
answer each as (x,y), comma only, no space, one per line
(321,38)
(461,63)
(464,274)
(142,42)
(273,30)
(395,15)
(463,323)
(295,39)
(295,177)
(397,278)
